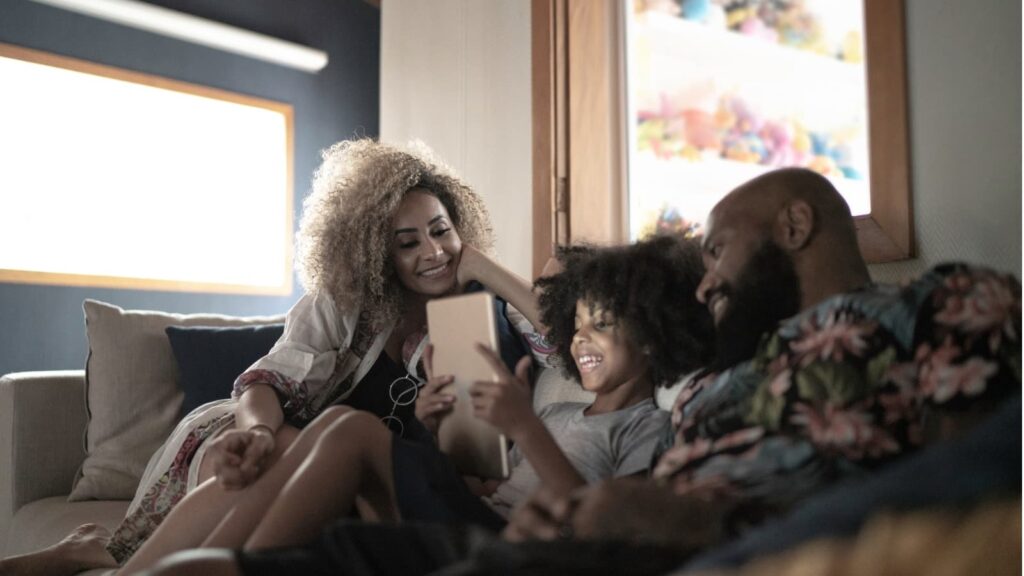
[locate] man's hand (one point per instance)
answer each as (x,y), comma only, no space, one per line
(629,509)
(239,456)
(543,516)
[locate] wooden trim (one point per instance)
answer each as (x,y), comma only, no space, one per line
(596,140)
(887,234)
(85,280)
(543,55)
(74,64)
(69,63)
(562,198)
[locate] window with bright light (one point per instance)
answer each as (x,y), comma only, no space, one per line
(720,92)
(114,178)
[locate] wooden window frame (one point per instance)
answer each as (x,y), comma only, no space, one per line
(579,160)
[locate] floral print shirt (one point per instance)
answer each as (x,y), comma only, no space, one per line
(844,387)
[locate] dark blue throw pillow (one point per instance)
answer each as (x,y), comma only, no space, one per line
(209,359)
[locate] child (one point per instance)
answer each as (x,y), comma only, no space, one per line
(623,320)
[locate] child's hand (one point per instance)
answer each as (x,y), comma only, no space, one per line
(505,404)
(432,406)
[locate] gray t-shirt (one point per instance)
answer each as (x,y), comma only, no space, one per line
(601,446)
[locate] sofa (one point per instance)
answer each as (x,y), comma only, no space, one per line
(42,423)
(74,443)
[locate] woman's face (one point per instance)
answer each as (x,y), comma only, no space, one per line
(425,246)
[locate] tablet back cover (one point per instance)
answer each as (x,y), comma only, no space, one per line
(456,324)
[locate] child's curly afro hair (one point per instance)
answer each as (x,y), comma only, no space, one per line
(650,287)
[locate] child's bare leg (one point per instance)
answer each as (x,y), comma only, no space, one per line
(351,458)
(199,512)
(246,512)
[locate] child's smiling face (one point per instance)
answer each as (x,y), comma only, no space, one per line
(606,356)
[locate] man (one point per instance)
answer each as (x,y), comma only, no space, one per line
(841,386)
(821,376)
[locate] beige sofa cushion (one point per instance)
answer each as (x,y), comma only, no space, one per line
(132,393)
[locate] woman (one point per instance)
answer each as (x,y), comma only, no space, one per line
(383,231)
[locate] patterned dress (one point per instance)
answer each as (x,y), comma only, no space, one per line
(843,388)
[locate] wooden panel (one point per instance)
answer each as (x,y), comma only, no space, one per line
(887,234)
(596,139)
(543,56)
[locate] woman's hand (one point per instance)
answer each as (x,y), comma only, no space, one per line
(239,456)
(431,405)
(505,404)
(470,260)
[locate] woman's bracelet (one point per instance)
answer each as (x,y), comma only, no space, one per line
(264,426)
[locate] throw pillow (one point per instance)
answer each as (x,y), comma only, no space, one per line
(209,359)
(132,396)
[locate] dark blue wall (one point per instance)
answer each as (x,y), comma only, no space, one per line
(41,327)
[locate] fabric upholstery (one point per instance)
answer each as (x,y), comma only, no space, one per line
(132,395)
(46,521)
(210,358)
(42,418)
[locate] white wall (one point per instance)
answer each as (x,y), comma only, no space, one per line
(446,63)
(964,76)
(456,74)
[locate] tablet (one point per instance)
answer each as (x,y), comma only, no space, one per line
(456,324)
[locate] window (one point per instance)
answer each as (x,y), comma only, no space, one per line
(120,179)
(581,170)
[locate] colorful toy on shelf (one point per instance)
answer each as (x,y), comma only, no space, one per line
(694,9)
(735,131)
(704,11)
(787,22)
(668,220)
(670,7)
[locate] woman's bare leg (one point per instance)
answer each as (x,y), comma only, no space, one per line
(351,458)
(198,513)
(206,561)
(246,512)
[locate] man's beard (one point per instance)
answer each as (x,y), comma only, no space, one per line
(766,292)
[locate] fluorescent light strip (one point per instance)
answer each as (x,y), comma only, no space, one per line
(198,31)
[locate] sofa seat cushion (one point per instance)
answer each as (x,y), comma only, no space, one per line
(44,522)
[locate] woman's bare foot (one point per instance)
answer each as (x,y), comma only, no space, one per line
(87,545)
(84,548)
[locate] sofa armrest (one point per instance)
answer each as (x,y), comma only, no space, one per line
(42,422)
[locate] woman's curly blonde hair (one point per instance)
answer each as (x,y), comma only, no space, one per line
(345,234)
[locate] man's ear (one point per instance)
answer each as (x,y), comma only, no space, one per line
(795,225)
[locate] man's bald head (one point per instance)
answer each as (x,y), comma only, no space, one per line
(762,201)
(794,219)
